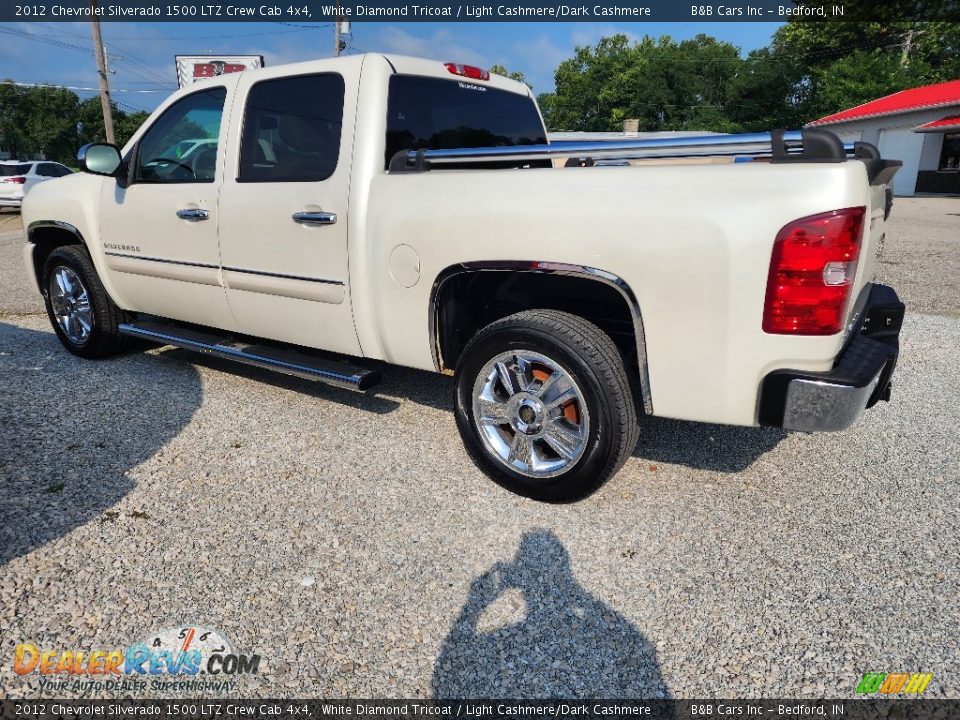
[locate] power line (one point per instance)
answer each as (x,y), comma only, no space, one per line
(297,29)
(81,89)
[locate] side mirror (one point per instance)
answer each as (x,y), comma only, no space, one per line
(99,159)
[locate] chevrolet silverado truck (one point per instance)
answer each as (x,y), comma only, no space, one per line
(383,208)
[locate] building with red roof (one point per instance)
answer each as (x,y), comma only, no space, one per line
(920,126)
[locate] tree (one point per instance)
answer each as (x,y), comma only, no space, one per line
(91,121)
(13,118)
(863,76)
(516,75)
(768,91)
(665,84)
(846,64)
(37,120)
(53,122)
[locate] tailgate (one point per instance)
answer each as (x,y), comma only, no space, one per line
(880,175)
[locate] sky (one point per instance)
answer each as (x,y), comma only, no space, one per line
(141,55)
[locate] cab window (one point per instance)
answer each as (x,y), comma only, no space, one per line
(432,113)
(291,129)
(181,146)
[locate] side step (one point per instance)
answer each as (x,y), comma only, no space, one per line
(290,362)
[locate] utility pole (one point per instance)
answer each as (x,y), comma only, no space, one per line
(907,46)
(102,73)
(341,28)
(336,32)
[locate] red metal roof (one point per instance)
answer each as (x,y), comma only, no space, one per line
(950,122)
(921,98)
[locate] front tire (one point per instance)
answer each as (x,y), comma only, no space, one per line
(544,405)
(83,316)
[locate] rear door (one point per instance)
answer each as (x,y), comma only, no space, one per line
(283,230)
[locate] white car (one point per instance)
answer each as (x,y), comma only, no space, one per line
(186,148)
(17,177)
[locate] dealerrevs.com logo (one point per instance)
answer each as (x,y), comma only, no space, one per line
(185,651)
(893,683)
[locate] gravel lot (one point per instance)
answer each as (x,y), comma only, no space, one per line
(348,540)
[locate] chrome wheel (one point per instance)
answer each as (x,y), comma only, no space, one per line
(530,414)
(71,305)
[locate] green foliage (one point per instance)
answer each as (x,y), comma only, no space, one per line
(808,71)
(863,76)
(55,122)
(664,83)
(515,75)
(846,64)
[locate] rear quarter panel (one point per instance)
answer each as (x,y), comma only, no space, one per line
(693,243)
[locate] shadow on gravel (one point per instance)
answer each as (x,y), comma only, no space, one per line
(419,386)
(721,448)
(697,445)
(566,644)
(71,429)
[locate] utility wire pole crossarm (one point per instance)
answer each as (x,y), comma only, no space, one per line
(102,74)
(907,45)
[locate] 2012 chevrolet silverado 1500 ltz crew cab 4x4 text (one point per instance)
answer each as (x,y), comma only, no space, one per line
(412,211)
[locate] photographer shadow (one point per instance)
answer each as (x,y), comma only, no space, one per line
(567,643)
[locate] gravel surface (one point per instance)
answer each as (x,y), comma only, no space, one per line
(348,540)
(15,293)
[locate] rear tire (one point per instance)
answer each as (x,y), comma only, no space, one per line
(544,405)
(83,316)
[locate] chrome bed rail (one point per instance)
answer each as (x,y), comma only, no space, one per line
(810,145)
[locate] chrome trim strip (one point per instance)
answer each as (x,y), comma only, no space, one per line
(325,281)
(180,271)
(584,271)
(208,266)
(283,286)
(160,260)
(291,364)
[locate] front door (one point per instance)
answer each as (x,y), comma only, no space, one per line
(159,233)
(283,228)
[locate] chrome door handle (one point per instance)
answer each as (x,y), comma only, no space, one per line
(193,214)
(314,218)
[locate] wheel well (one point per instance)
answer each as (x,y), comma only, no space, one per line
(45,240)
(468,301)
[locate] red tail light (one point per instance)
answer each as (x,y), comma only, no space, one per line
(17,180)
(811,273)
(468,71)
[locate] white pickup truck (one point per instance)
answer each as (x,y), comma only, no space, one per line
(411,211)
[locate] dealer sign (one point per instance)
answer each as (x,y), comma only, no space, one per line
(191,68)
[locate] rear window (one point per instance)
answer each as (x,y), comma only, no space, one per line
(435,114)
(21,169)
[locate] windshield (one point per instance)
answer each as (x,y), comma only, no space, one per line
(19,169)
(433,113)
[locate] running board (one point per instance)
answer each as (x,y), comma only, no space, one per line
(290,362)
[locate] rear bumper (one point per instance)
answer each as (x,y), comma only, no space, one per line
(833,400)
(11,201)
